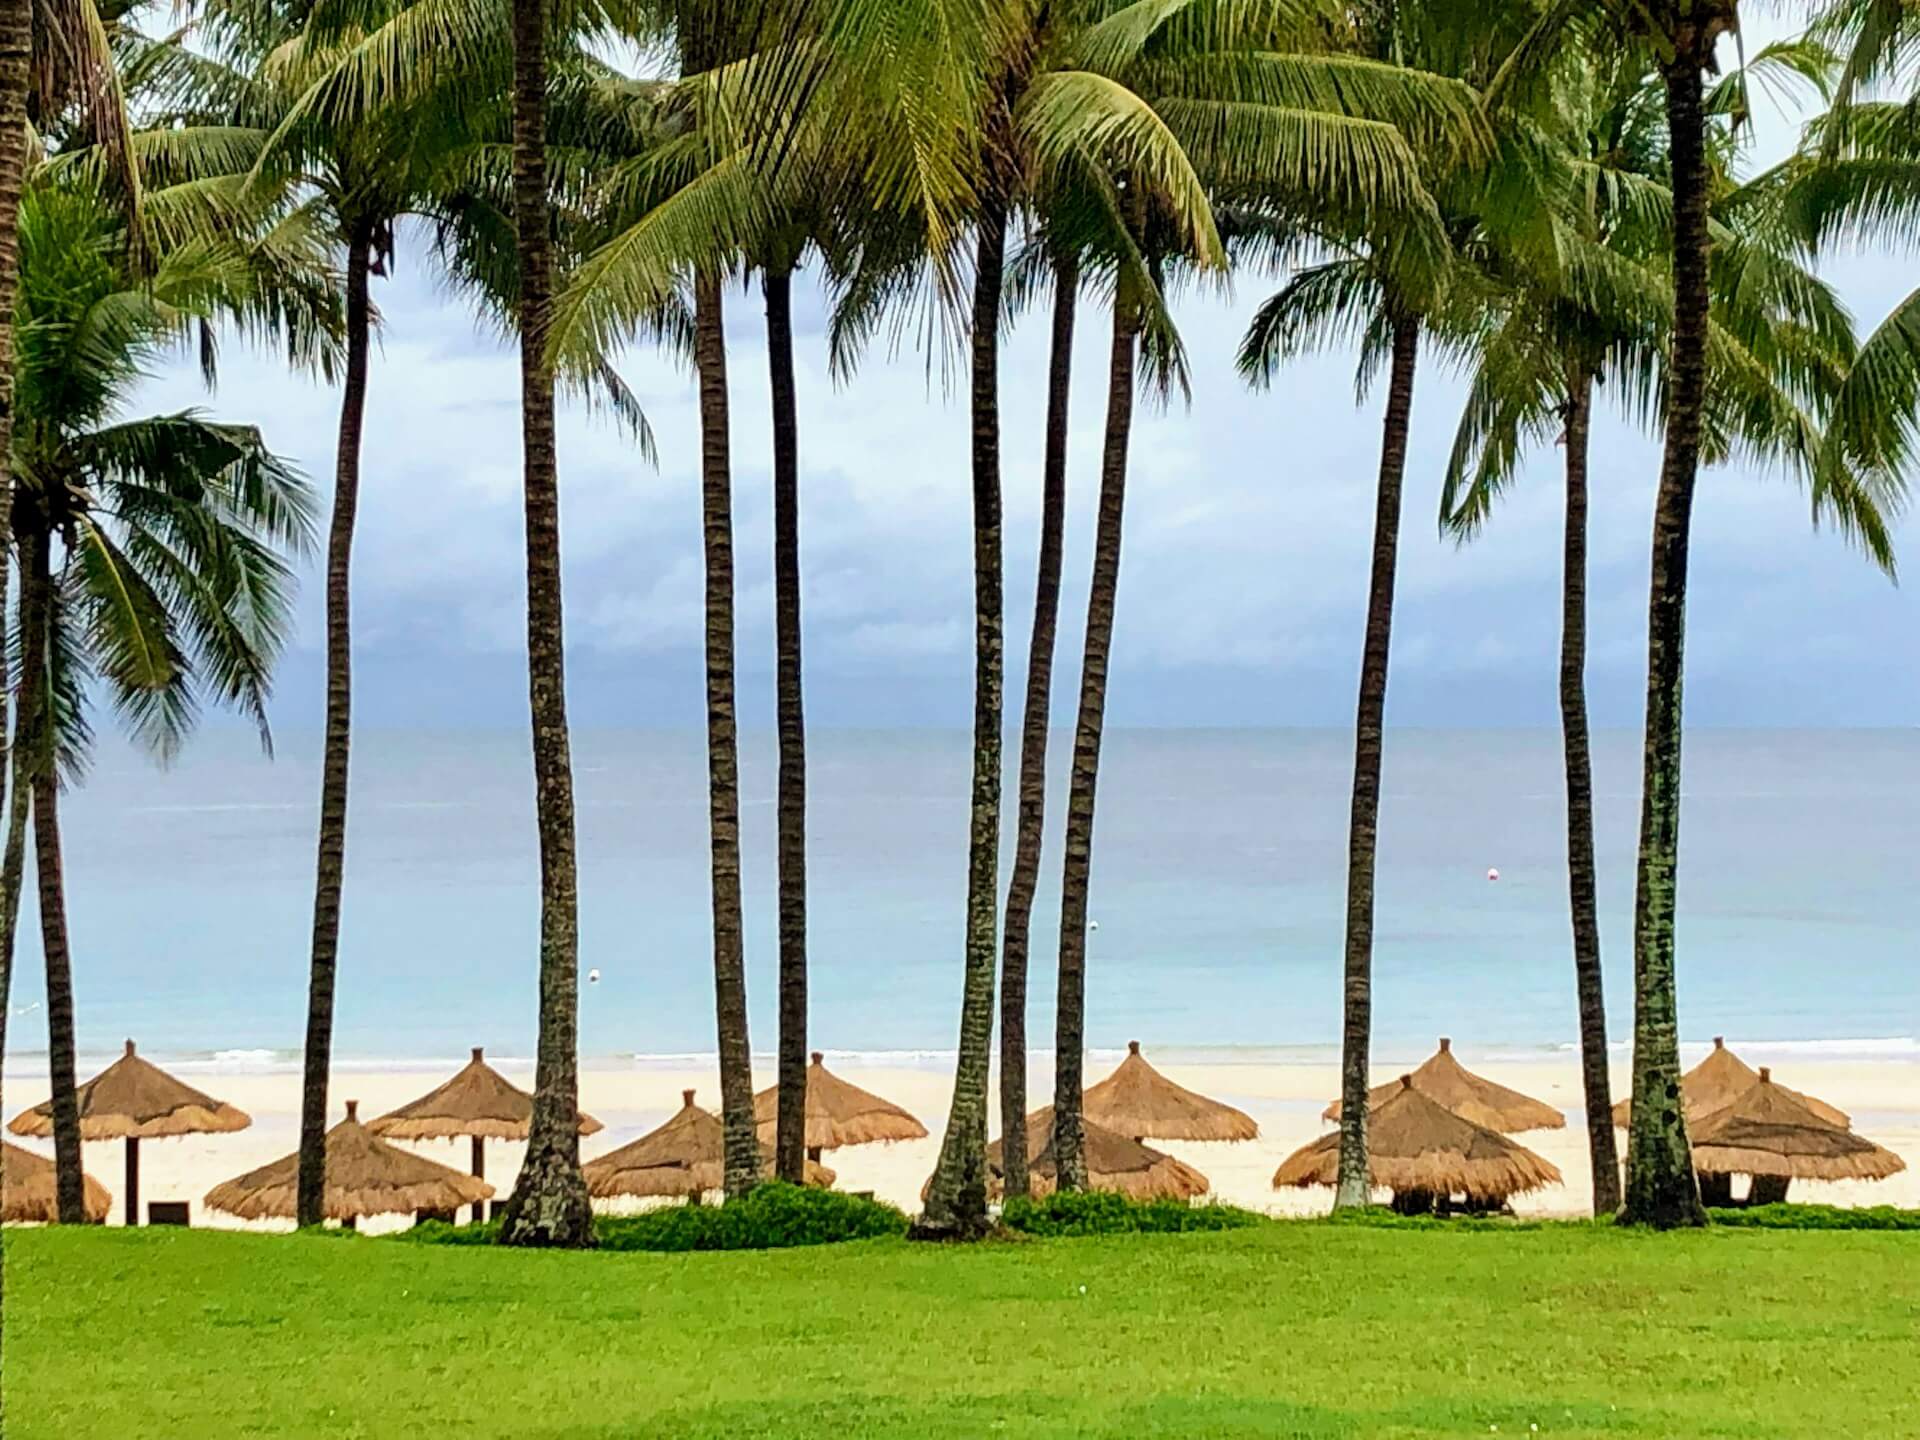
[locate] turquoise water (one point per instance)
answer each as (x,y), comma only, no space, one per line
(1218,891)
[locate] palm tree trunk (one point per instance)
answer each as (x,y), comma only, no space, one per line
(1579,760)
(956,1207)
(330,864)
(1070,1020)
(549,1204)
(723,758)
(37,611)
(13,868)
(1357,1031)
(1662,1189)
(1033,740)
(16,47)
(790,1143)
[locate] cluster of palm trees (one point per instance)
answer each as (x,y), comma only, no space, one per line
(1545,192)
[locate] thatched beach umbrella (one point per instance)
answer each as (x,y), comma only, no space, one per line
(1114,1162)
(27,1190)
(837,1114)
(134,1100)
(1445,1079)
(477,1102)
(1141,1103)
(365,1176)
(1426,1153)
(1776,1136)
(1719,1080)
(684,1157)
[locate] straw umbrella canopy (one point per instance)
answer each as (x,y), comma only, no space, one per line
(365,1176)
(134,1100)
(1719,1080)
(1114,1162)
(1136,1100)
(478,1102)
(27,1188)
(686,1156)
(1776,1136)
(1425,1152)
(1468,1095)
(837,1114)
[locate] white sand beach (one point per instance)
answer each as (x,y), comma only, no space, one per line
(1882,1096)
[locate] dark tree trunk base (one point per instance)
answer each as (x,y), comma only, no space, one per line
(549,1207)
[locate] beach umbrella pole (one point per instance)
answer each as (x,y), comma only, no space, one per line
(479,1173)
(133,1180)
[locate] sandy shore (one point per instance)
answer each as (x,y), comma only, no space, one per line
(1883,1097)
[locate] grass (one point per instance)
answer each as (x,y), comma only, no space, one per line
(1289,1330)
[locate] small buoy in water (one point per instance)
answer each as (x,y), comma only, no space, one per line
(1493,874)
(593,977)
(1093,924)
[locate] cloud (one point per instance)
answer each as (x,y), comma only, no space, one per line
(1244,578)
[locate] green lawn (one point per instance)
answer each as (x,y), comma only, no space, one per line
(1287,1330)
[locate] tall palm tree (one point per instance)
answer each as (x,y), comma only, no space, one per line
(67,73)
(1242,96)
(1551,339)
(1661,1188)
(1030,828)
(1382,277)
(790,1137)
(16,48)
(549,1205)
(361,175)
(151,550)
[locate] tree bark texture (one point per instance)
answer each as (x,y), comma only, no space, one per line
(1352,1189)
(1581,883)
(331,859)
(1662,1189)
(1031,825)
(742,1169)
(1070,1018)
(956,1206)
(790,1143)
(549,1204)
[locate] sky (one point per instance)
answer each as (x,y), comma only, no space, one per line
(1244,575)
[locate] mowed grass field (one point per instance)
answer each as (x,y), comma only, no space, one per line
(1304,1329)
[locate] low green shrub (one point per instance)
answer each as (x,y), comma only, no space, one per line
(773,1216)
(1101,1212)
(1817,1217)
(438,1232)
(1381,1217)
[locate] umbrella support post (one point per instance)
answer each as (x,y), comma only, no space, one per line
(1768,1190)
(479,1173)
(133,1180)
(1716,1191)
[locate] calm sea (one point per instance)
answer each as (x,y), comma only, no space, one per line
(1218,893)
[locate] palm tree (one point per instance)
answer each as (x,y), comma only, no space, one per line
(1384,280)
(64,72)
(1684,34)
(16,45)
(791,722)
(1247,97)
(1024,880)
(549,1205)
(151,550)
(362,176)
(1551,339)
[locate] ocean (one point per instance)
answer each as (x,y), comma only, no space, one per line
(1218,892)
